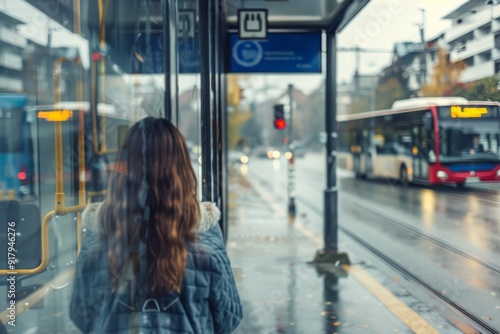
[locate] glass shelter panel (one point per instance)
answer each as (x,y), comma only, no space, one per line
(75,76)
(417,103)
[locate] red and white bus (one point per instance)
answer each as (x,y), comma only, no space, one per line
(439,140)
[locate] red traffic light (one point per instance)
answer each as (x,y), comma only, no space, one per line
(280,124)
(279,116)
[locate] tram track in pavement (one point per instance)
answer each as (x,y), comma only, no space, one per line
(409,229)
(403,226)
(477,323)
(480,325)
(414,231)
(454,312)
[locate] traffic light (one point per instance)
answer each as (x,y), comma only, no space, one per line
(279,117)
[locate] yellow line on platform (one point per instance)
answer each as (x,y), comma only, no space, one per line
(315,238)
(266,197)
(415,322)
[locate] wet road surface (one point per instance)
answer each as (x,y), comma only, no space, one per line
(448,238)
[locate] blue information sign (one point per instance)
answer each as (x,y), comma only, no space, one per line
(280,53)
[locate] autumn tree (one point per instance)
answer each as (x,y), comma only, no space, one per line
(445,80)
(237,115)
(392,85)
(388,92)
(359,103)
(483,90)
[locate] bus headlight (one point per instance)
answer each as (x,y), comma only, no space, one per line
(498,173)
(442,175)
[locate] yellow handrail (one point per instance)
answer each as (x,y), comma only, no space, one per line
(60,204)
(77,17)
(59,197)
(45,241)
(35,297)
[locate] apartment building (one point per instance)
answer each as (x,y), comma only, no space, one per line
(474,38)
(11,54)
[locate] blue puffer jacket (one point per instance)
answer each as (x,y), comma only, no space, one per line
(208,301)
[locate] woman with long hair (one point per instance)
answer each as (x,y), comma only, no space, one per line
(152,243)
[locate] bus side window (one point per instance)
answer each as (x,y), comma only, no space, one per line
(427,119)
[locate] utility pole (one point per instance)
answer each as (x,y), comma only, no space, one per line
(373,97)
(357,50)
(356,70)
(423,70)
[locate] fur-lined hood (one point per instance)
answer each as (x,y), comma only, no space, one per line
(209,212)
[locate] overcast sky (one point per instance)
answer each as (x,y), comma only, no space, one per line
(378,26)
(384,22)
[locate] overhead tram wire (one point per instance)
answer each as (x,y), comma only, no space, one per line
(357,50)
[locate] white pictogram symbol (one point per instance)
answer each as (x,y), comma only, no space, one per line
(186,24)
(247,53)
(252,23)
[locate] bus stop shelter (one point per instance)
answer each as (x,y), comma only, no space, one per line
(175,37)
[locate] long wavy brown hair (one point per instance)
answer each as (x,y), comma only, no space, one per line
(152,188)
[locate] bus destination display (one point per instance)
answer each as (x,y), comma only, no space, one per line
(467,112)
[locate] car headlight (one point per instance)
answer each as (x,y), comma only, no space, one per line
(442,175)
(244,159)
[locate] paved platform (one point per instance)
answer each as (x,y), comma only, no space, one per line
(284,292)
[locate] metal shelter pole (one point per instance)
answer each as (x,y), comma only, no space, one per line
(170,25)
(204,8)
(331,198)
(330,253)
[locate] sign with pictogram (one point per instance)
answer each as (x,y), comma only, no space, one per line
(186,24)
(252,23)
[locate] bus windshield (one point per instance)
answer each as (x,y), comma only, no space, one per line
(469,137)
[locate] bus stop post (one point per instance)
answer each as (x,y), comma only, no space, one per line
(330,253)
